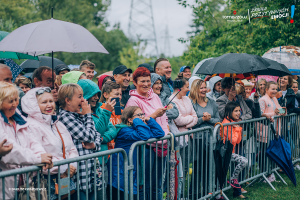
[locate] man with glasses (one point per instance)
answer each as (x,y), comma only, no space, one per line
(228,86)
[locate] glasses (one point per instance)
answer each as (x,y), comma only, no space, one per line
(140,115)
(43,90)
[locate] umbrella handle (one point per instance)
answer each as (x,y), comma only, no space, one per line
(221,129)
(172,140)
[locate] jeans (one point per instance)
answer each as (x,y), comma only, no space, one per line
(91,195)
(155,184)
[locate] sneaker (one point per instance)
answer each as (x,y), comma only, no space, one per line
(234,183)
(297,167)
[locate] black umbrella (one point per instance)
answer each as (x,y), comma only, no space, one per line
(222,157)
(280,152)
(274,69)
(30,65)
(237,63)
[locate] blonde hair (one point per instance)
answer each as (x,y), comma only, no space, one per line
(7,90)
(239,89)
(194,93)
(67,91)
(294,81)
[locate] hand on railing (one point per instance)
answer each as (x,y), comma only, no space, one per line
(72,172)
(4,148)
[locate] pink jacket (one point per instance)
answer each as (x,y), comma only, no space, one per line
(149,105)
(45,128)
(187,116)
(26,149)
(267,107)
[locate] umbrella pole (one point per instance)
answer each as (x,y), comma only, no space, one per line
(52,72)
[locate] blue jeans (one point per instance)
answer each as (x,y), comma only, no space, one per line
(91,195)
(156,184)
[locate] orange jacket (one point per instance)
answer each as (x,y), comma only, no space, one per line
(236,131)
(114,119)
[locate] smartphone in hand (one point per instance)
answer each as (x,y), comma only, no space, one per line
(117,106)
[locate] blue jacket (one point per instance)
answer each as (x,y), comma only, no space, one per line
(127,135)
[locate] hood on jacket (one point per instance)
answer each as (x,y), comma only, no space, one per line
(191,80)
(120,126)
(213,81)
(89,88)
(18,119)
(71,77)
(31,107)
(155,77)
(135,93)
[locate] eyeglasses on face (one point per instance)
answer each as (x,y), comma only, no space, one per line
(140,115)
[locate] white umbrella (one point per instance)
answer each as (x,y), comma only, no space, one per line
(51,36)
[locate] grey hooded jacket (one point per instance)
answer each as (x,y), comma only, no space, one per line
(223,100)
(171,113)
(213,94)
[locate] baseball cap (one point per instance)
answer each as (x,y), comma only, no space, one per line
(60,68)
(183,68)
(147,66)
(121,70)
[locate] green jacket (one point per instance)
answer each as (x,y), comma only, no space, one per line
(100,116)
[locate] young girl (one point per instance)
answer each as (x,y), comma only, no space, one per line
(234,133)
(134,127)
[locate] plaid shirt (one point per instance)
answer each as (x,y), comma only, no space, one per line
(82,129)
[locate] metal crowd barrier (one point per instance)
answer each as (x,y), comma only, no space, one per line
(150,164)
(64,183)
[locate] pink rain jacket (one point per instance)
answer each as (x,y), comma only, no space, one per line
(45,128)
(26,150)
(149,105)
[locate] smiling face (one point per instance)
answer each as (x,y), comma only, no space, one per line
(115,93)
(185,89)
(24,87)
(284,81)
(236,113)
(157,87)
(123,79)
(248,90)
(46,103)
(9,105)
(89,72)
(93,100)
(5,75)
(262,86)
(187,73)
(164,68)
(74,104)
(203,90)
(143,85)
(272,90)
(218,87)
(295,87)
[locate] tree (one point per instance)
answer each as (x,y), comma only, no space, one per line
(256,37)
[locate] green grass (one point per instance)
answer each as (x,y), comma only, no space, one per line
(264,191)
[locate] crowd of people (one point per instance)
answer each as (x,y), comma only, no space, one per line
(61,114)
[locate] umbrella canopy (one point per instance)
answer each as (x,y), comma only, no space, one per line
(222,156)
(275,69)
(30,65)
(14,68)
(280,152)
(198,66)
(13,55)
(237,63)
(51,36)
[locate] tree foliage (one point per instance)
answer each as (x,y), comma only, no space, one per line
(217,36)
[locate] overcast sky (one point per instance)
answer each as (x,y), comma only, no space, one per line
(165,12)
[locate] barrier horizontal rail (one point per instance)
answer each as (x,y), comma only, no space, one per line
(200,154)
(31,169)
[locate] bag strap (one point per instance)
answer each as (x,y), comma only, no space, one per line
(63,143)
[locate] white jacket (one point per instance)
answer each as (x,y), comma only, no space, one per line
(45,128)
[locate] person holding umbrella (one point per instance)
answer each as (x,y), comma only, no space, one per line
(230,95)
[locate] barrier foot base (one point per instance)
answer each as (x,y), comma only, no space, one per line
(254,181)
(225,197)
(280,177)
(268,182)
